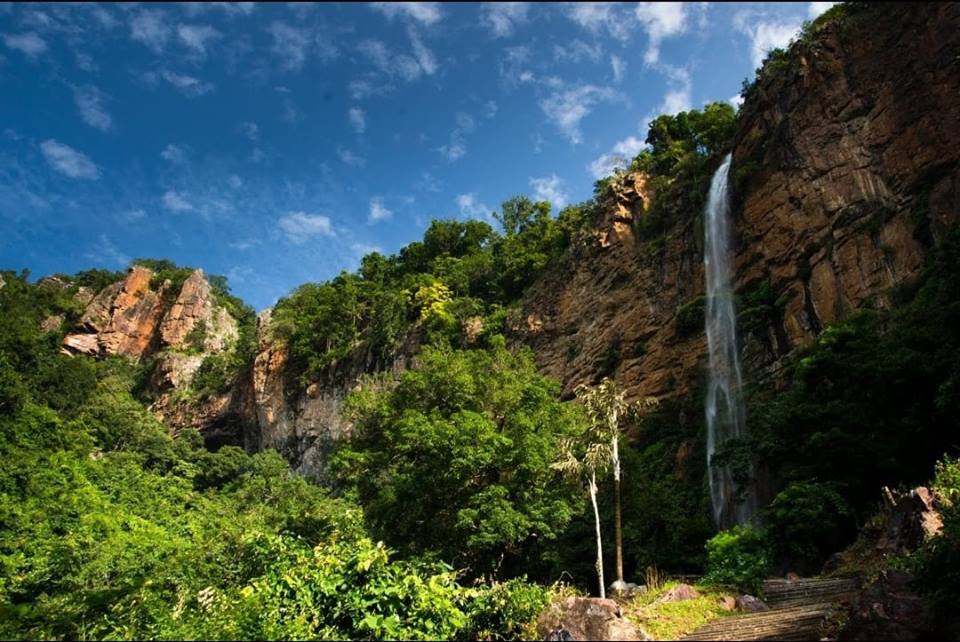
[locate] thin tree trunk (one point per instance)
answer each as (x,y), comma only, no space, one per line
(617,523)
(596,515)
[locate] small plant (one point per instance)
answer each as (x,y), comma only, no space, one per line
(654,578)
(738,557)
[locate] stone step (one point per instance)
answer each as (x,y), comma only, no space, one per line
(799,609)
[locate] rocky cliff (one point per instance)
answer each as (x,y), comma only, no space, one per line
(845,171)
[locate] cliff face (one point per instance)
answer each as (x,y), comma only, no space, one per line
(845,171)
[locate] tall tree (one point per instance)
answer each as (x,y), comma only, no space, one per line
(606,406)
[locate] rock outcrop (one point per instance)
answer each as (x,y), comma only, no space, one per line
(585,618)
(122,319)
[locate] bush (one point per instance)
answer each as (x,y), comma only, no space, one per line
(805,523)
(738,557)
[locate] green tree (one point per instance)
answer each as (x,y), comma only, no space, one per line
(455,458)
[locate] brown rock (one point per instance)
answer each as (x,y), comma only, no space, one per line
(83,295)
(195,306)
(680,593)
(97,315)
(82,343)
(586,618)
(792,577)
(751,604)
(51,323)
(728,603)
(134,316)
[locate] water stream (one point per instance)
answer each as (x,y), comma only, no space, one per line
(725,411)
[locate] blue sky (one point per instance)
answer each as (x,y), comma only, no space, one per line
(277,144)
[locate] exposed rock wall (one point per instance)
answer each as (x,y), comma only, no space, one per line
(845,173)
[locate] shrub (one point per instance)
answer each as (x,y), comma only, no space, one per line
(738,557)
(805,522)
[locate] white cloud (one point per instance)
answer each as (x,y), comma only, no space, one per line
(469,205)
(29,44)
(817,8)
(550,188)
(105,252)
(362,249)
(619,68)
(290,44)
(250,130)
(69,161)
(351,158)
(423,12)
(577,51)
(89,101)
(235,181)
(490,109)
(150,29)
(660,20)
(130,216)
(457,147)
(360,89)
(391,63)
(598,17)
(197,37)
(678,97)
(174,154)
(619,157)
(378,212)
(175,202)
(424,56)
(301,227)
(85,61)
(358,119)
(736,101)
(502,18)
(291,113)
(187,85)
(567,107)
(764,33)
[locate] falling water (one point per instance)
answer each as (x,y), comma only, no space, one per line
(724,406)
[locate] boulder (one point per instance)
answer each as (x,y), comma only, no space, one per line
(626,590)
(728,603)
(751,604)
(889,609)
(585,618)
(680,593)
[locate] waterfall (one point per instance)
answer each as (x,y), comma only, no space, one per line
(724,405)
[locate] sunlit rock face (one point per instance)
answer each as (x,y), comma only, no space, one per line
(845,173)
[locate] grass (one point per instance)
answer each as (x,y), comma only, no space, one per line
(672,620)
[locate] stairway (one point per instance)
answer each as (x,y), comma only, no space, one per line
(798,611)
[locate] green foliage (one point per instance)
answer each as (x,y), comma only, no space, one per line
(109,528)
(870,404)
(460,270)
(674,620)
(164,270)
(795,519)
(455,458)
(940,558)
(739,557)
(683,150)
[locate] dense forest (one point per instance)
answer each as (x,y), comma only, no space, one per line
(451,511)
